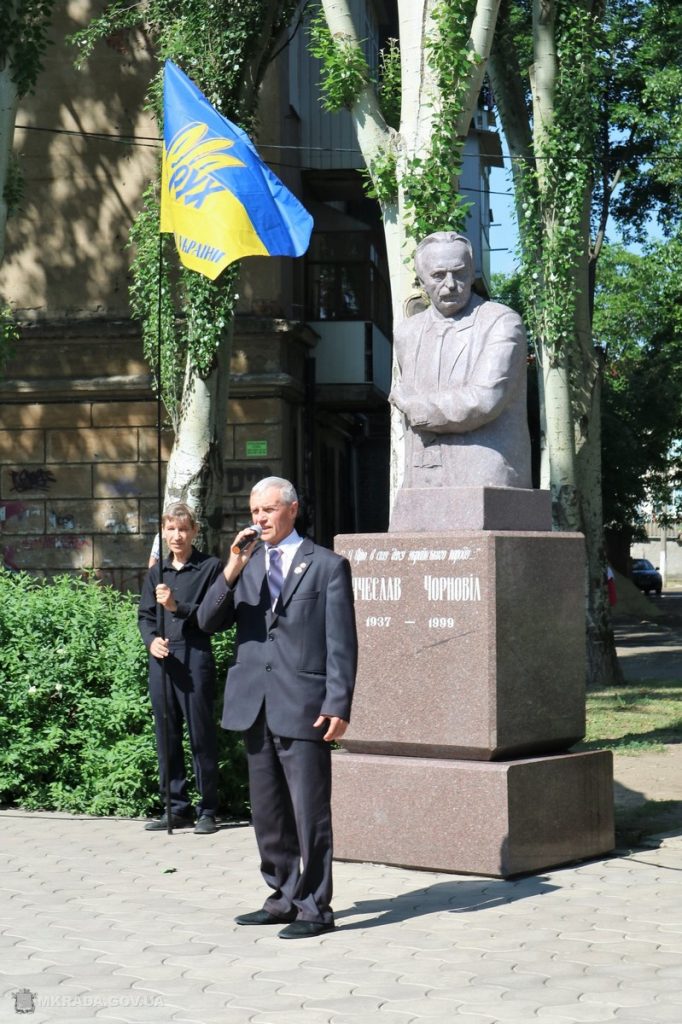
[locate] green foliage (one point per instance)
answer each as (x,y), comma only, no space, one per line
(24,27)
(343,76)
(381,180)
(76,730)
(644,83)
(432,199)
(9,333)
(23,39)
(638,319)
(116,17)
(157,285)
(554,189)
(344,72)
(429,181)
(14,186)
(390,83)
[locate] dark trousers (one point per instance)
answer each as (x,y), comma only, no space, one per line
(290,788)
(191,697)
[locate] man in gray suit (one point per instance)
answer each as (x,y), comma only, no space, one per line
(462,386)
(289,691)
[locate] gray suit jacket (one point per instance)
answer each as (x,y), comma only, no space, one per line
(301,659)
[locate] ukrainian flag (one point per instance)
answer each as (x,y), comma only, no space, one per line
(217,196)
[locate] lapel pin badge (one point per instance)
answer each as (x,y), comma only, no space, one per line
(299,568)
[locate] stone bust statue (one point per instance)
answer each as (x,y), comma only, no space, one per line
(462,383)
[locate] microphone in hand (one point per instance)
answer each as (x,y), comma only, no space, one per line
(253,534)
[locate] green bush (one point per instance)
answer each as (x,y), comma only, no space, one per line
(76,728)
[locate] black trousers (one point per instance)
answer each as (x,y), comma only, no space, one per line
(191,699)
(290,788)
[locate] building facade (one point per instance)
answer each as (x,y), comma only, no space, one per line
(312,353)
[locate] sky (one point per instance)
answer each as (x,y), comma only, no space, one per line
(503,230)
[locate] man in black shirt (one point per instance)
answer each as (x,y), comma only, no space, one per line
(185,651)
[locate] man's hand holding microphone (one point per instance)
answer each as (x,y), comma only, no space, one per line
(241,550)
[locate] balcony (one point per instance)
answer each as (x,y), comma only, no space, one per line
(350,354)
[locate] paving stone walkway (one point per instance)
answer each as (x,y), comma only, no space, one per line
(102,921)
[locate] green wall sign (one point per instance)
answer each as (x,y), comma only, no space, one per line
(256,449)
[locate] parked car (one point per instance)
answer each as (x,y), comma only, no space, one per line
(645,576)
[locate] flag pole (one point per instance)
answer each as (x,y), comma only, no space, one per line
(161,618)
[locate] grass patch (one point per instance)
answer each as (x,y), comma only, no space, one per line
(633,720)
(655,817)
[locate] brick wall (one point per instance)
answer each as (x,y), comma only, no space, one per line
(78,484)
(78,443)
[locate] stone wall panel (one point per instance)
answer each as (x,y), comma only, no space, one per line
(92,445)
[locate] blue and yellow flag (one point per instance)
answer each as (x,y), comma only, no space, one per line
(217,196)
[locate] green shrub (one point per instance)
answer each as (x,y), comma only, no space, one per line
(76,728)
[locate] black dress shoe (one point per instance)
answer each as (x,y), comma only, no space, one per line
(262,917)
(305,929)
(161,824)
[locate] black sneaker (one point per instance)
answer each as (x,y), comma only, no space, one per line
(161,824)
(205,825)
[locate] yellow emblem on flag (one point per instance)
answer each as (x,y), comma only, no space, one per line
(202,214)
(217,196)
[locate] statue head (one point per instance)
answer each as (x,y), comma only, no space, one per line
(444,262)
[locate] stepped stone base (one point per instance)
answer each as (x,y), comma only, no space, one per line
(470,817)
(424,509)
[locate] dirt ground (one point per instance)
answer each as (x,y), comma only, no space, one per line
(648,787)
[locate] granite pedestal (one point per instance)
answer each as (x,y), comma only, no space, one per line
(484,818)
(470,690)
(470,645)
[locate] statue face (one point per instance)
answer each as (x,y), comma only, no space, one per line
(447,275)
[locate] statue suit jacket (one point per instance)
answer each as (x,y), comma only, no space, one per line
(301,659)
(463,382)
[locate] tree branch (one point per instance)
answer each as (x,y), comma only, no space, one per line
(480,42)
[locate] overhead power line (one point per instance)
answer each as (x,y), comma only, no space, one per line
(154,142)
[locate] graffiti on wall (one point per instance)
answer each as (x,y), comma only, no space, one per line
(17,510)
(66,522)
(31,479)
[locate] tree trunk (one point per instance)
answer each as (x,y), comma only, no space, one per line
(481,42)
(602,661)
(544,71)
(505,78)
(508,90)
(195,466)
(560,440)
(554,350)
